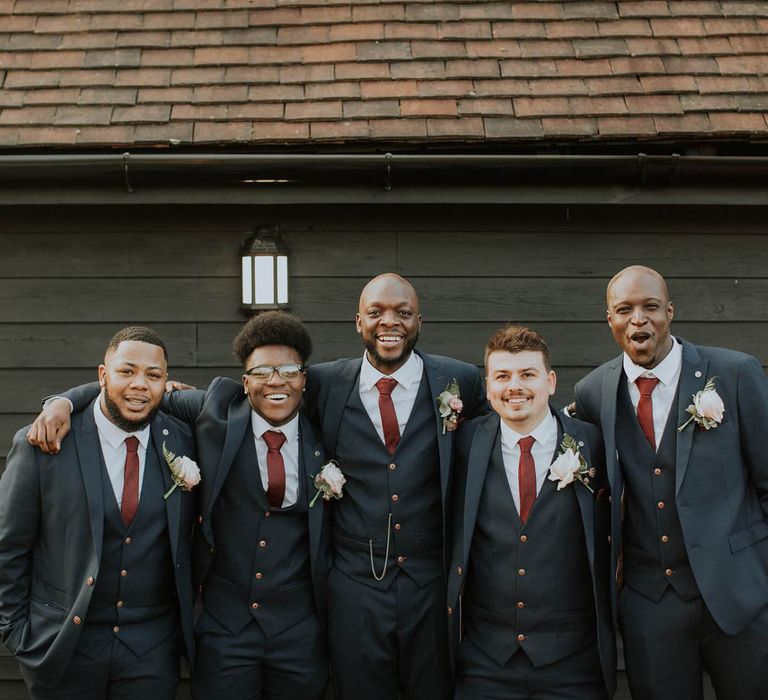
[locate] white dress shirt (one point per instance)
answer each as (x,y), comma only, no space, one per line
(289,452)
(663,396)
(113,449)
(403,395)
(542,451)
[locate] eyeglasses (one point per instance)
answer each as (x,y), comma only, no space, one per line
(263,373)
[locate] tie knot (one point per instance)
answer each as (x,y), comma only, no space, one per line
(646,385)
(385,385)
(274,439)
(132,444)
(526,444)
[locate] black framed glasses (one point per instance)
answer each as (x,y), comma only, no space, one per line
(263,373)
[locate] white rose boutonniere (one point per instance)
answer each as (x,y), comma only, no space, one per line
(570,465)
(329,482)
(184,471)
(450,405)
(707,408)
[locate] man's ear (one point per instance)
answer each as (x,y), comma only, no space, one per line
(102,376)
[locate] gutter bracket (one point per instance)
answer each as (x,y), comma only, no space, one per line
(387,172)
(642,161)
(126,174)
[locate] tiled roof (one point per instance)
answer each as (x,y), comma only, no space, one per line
(85,73)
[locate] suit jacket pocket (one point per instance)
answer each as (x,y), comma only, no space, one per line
(748,536)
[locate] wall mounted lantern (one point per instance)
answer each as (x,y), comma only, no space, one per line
(264,271)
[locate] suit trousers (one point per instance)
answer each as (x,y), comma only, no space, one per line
(116,674)
(388,644)
(668,645)
(576,677)
(292,665)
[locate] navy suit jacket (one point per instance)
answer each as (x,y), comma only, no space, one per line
(329,386)
(721,487)
(51,536)
(221,417)
(475,446)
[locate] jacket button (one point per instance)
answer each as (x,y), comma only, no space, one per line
(89,581)
(116,629)
(668,572)
(521,572)
(267,514)
(450,611)
(459,570)
(401,559)
(262,543)
(119,604)
(76,620)
(128,540)
(660,505)
(258,576)
(392,467)
(398,527)
(523,538)
(520,604)
(395,498)
(199,519)
(520,637)
(657,471)
(664,539)
(255,606)
(123,573)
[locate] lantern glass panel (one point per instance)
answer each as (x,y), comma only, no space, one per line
(264,277)
(247,277)
(282,279)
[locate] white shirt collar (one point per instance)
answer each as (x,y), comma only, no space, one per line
(410,373)
(544,432)
(666,371)
(289,429)
(111,433)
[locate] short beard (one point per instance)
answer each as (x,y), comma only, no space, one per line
(129,426)
(370,346)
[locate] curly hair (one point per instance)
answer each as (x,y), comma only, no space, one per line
(139,333)
(518,339)
(273,328)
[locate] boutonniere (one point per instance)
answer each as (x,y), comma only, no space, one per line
(707,408)
(184,472)
(329,482)
(450,405)
(570,465)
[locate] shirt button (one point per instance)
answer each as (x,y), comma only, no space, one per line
(664,539)
(398,526)
(521,572)
(116,629)
(267,514)
(657,471)
(660,505)
(520,604)
(520,637)
(262,543)
(128,540)
(89,581)
(667,572)
(76,620)
(258,576)
(392,467)
(255,606)
(395,498)
(119,603)
(523,538)
(123,573)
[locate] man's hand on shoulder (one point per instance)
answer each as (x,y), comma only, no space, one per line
(51,426)
(172,385)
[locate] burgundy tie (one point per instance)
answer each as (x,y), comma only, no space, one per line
(275,468)
(646,385)
(130,501)
(388,415)
(526,477)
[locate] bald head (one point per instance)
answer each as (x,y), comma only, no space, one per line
(638,273)
(388,321)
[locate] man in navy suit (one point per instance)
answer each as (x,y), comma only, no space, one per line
(684,429)
(380,417)
(530,541)
(95,572)
(261,552)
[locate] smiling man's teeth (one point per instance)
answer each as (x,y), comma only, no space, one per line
(389,338)
(277,396)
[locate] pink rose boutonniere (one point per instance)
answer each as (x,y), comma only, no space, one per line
(570,465)
(184,472)
(329,482)
(450,406)
(707,408)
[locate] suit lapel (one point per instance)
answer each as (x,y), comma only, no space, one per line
(89,455)
(693,377)
(437,380)
(338,396)
(483,443)
(238,415)
(311,457)
(608,401)
(160,433)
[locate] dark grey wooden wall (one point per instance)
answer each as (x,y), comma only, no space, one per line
(71,276)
